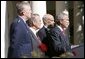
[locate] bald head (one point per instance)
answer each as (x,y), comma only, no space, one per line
(48,19)
(47,16)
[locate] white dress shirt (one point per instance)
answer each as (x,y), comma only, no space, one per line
(33,30)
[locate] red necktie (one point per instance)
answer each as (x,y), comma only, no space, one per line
(41,46)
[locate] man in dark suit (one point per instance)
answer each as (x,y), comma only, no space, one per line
(44,33)
(20,39)
(61,42)
(48,21)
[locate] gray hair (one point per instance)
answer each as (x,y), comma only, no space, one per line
(20,6)
(46,17)
(61,15)
(33,19)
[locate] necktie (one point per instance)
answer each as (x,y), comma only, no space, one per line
(41,46)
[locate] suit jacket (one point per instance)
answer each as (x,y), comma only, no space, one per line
(44,35)
(20,39)
(60,41)
(41,33)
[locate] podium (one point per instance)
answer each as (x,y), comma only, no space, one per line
(79,50)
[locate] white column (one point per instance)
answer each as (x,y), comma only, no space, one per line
(3,14)
(39,7)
